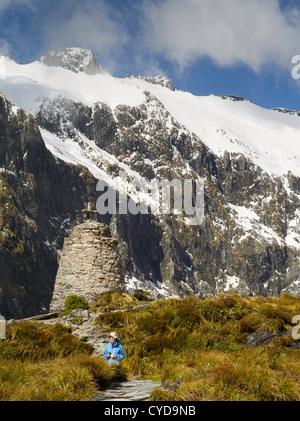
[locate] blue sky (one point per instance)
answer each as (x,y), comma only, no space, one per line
(238,47)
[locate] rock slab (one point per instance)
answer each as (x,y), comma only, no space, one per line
(135,390)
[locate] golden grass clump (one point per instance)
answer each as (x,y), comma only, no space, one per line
(200,344)
(46,363)
(32,341)
(113,301)
(199,348)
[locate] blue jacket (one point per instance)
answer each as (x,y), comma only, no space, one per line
(116,349)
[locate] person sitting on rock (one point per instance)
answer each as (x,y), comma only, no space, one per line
(114,352)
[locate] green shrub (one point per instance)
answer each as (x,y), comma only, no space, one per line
(188,315)
(142,295)
(117,319)
(74,301)
(247,325)
(275,313)
(152,323)
(213,310)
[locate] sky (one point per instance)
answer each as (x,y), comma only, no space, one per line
(238,47)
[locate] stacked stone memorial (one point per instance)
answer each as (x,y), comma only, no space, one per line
(89,265)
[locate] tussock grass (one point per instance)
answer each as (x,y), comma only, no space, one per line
(46,363)
(113,301)
(198,347)
(33,341)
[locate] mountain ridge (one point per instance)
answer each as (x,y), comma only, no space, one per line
(78,60)
(247,156)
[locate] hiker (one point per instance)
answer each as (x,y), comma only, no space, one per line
(114,352)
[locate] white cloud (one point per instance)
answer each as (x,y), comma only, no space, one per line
(5,44)
(147,65)
(5,47)
(230,32)
(4,4)
(92,25)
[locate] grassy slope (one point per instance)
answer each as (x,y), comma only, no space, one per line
(197,347)
(46,363)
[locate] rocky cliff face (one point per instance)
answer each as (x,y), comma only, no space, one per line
(249,240)
(37,205)
(249,214)
(74,59)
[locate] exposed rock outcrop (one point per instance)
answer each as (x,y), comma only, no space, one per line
(39,198)
(155,80)
(74,59)
(245,243)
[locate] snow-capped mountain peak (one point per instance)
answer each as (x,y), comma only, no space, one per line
(270,139)
(74,59)
(88,125)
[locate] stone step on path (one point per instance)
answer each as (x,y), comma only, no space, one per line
(134,390)
(83,325)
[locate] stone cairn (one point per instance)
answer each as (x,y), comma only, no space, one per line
(89,264)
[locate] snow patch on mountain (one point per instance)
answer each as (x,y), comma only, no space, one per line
(232,284)
(292,238)
(250,222)
(85,152)
(161,290)
(26,84)
(270,139)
